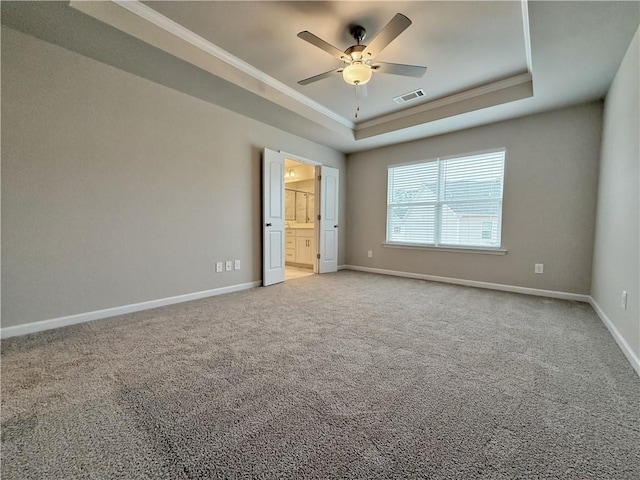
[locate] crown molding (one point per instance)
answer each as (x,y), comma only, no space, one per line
(243,74)
(506,83)
(143,22)
(151,15)
(526,30)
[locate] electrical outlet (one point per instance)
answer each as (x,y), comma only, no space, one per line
(539,268)
(370,254)
(228,265)
(624,299)
(236,265)
(218,267)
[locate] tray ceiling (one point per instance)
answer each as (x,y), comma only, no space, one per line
(487,61)
(463,44)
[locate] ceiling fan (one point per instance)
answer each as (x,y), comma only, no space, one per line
(358,58)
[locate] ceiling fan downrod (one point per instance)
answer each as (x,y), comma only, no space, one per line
(358,33)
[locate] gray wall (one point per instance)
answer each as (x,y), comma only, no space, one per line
(116,190)
(616,262)
(548,209)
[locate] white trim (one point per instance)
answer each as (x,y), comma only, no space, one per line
(41,325)
(436,248)
(342,267)
(527,34)
(448,100)
(631,356)
(615,333)
(168,25)
(358,130)
(474,283)
(298,158)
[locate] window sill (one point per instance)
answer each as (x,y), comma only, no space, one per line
(480,250)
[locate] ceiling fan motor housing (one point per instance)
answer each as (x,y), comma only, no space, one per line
(357,50)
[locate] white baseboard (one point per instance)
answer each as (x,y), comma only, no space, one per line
(622,343)
(615,333)
(39,326)
(473,283)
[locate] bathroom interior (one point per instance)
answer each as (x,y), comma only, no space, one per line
(300,211)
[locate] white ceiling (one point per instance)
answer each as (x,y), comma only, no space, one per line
(245,56)
(463,44)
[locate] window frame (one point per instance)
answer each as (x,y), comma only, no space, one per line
(483,249)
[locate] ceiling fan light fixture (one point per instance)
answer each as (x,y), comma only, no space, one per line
(357,73)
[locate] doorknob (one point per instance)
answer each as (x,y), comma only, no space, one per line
(268,224)
(335,226)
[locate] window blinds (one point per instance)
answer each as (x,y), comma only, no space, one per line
(447,202)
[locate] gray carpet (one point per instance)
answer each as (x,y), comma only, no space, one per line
(348,375)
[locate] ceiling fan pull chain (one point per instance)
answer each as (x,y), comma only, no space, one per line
(357,106)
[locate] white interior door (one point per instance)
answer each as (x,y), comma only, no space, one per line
(273,220)
(328,244)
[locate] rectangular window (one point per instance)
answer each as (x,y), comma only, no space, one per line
(454,201)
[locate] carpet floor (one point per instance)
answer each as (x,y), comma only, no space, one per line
(346,375)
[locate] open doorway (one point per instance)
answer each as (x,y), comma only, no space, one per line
(320,241)
(300,214)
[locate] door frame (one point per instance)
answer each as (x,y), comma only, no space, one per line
(316,207)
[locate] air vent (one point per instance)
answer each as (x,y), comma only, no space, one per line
(407,97)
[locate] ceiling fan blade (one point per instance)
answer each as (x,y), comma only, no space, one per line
(315,78)
(391,30)
(321,44)
(399,69)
